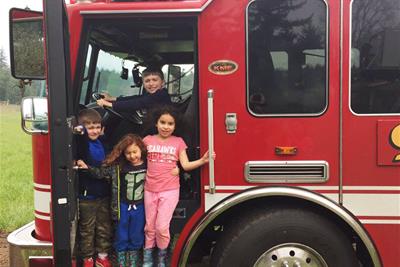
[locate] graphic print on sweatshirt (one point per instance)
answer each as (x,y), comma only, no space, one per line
(161,153)
(134,185)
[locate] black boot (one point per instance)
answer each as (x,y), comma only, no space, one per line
(133,258)
(162,257)
(148,257)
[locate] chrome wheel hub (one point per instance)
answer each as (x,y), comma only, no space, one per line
(290,255)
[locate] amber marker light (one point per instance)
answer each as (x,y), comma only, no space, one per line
(285,150)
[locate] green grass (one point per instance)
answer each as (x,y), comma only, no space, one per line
(16,183)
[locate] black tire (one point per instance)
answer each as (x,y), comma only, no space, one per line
(256,233)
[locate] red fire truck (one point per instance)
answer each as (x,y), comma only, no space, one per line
(300,99)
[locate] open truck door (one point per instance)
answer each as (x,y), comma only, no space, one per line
(63,200)
(40,51)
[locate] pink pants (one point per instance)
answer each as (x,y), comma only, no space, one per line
(159,208)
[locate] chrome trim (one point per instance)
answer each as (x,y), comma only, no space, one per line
(23,120)
(23,244)
(326,74)
(84,1)
(373,189)
(296,171)
(210,114)
(349,72)
(22,237)
(373,114)
(259,192)
(291,254)
(341,105)
(146,11)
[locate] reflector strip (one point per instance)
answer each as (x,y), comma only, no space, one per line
(42,201)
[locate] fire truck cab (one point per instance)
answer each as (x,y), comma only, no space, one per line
(300,99)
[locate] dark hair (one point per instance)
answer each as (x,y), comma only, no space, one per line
(88,116)
(155,114)
(117,154)
(153,71)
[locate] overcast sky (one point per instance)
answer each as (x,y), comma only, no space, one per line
(6,5)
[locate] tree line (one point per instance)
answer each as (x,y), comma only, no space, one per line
(13,90)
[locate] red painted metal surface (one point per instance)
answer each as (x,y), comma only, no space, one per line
(21,14)
(362,151)
(360,132)
(142,5)
(42,182)
(386,238)
(40,262)
(221,36)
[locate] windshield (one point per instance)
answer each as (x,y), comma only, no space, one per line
(118,51)
(116,77)
(109,76)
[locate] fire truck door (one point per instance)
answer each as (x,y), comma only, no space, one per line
(371,116)
(371,120)
(274,100)
(60,128)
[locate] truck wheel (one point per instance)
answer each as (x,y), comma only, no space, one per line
(284,237)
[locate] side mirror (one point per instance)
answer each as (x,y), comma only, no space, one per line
(34,115)
(174,79)
(26,44)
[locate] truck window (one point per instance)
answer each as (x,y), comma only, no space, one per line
(85,80)
(116,49)
(107,76)
(375,61)
(286,57)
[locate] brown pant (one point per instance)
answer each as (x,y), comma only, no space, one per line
(95,228)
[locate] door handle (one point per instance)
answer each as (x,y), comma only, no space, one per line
(210,114)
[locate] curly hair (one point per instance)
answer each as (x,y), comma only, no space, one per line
(116,157)
(155,114)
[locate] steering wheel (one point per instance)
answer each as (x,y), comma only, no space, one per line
(135,118)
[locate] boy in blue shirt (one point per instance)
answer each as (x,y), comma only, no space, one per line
(94,221)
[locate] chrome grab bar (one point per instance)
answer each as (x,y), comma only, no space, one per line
(210,95)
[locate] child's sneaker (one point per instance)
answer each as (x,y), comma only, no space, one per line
(103,262)
(88,262)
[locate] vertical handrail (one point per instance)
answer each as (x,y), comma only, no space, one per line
(341,107)
(210,95)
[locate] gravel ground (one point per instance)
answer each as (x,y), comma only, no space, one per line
(3,250)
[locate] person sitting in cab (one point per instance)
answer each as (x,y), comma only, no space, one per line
(155,94)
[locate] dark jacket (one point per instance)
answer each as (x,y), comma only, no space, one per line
(116,176)
(129,104)
(89,186)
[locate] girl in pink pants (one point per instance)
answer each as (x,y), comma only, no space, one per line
(161,187)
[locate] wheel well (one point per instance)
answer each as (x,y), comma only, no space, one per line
(214,230)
